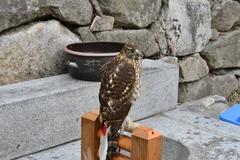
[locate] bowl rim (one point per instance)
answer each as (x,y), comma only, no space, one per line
(87,54)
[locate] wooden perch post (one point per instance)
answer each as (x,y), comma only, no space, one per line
(144,144)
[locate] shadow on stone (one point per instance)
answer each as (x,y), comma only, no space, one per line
(173,150)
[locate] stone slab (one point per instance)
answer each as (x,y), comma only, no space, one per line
(39,114)
(189,134)
(204,141)
(69,151)
(72,150)
(210,106)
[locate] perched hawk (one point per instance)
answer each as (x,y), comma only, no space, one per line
(120,87)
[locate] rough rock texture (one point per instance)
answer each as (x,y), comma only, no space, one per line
(14,13)
(73,11)
(85,34)
(187,24)
(225,52)
(143,38)
(237,23)
(102,23)
(33,51)
(132,13)
(161,37)
(96,7)
(210,85)
(169,59)
(214,35)
(235,71)
(210,106)
(192,68)
(225,14)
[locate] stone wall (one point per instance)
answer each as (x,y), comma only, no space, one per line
(202,36)
(220,57)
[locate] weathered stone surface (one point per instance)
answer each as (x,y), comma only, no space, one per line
(143,38)
(102,23)
(33,51)
(237,23)
(38,114)
(205,102)
(211,3)
(161,38)
(187,24)
(225,52)
(138,13)
(85,34)
(235,71)
(206,138)
(96,6)
(210,106)
(14,13)
(192,68)
(210,85)
(169,59)
(72,11)
(225,14)
(214,35)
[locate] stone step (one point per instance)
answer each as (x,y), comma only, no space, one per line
(206,138)
(189,134)
(38,114)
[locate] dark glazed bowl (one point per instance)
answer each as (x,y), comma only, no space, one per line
(86,59)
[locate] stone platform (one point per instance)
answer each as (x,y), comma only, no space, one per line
(42,113)
(190,134)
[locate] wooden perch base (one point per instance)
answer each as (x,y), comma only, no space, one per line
(144,144)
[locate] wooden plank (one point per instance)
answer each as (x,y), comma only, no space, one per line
(146,144)
(125,142)
(89,140)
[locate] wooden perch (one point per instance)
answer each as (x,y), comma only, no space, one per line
(144,144)
(125,142)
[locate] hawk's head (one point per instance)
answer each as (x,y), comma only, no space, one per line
(131,51)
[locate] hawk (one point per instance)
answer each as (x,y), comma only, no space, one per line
(120,87)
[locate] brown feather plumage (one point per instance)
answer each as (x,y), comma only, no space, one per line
(120,86)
